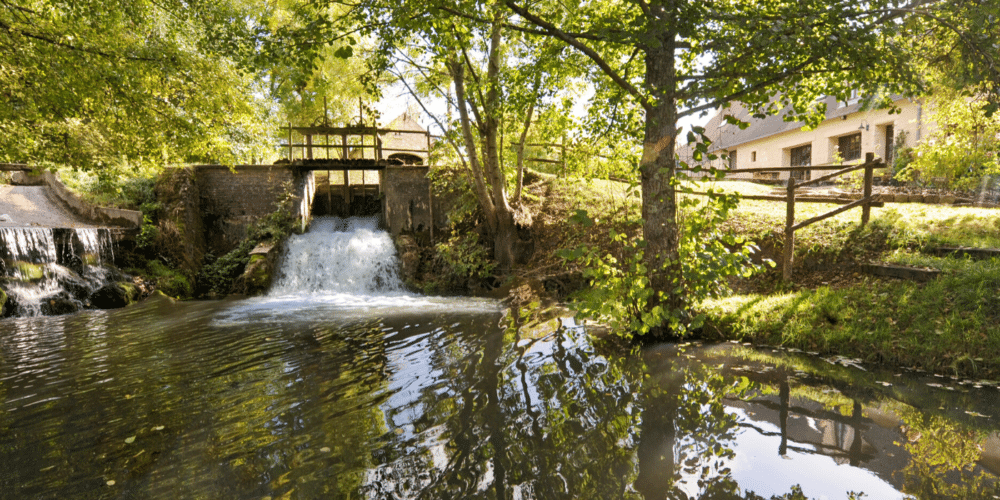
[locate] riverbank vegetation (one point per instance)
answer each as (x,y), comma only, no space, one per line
(948,325)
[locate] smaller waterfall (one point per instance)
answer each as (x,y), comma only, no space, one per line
(53,271)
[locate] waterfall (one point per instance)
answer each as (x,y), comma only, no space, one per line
(340,256)
(53,270)
(341,271)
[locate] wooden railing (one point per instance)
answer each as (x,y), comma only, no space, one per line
(358,138)
(866,202)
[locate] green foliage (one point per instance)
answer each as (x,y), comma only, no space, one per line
(89,83)
(963,149)
(119,184)
(459,259)
(169,281)
(619,291)
(218,274)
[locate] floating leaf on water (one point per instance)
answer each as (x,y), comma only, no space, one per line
(130,440)
(325,449)
(887,384)
(111,482)
(974,414)
(934,384)
(158,428)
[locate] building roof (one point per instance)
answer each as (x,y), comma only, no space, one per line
(725,136)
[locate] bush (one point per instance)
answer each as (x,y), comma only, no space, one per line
(120,185)
(964,147)
(169,281)
(619,291)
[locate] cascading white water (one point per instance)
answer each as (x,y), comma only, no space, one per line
(28,244)
(341,271)
(340,256)
(52,270)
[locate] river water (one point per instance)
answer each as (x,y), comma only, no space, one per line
(315,393)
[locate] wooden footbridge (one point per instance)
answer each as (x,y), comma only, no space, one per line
(355,148)
(349,164)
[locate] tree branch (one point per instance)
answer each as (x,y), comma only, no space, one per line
(553,31)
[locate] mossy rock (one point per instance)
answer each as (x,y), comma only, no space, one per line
(26,271)
(258,274)
(259,271)
(169,281)
(115,295)
(3,302)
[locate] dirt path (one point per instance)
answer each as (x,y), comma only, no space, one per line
(31,206)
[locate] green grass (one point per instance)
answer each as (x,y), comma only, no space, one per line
(948,325)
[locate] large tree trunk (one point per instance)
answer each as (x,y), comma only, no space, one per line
(506,233)
(659,203)
(489,183)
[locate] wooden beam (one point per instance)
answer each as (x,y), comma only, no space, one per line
(829,214)
(831,176)
(798,199)
(903,272)
(788,253)
(772,169)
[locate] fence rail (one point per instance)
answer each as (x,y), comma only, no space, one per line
(866,202)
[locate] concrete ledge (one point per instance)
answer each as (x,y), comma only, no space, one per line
(100,215)
(894,271)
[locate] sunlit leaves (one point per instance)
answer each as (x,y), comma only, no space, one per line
(91,83)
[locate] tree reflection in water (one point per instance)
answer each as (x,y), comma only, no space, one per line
(173,403)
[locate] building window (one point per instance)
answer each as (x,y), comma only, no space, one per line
(849,146)
(732,160)
(802,156)
(753,156)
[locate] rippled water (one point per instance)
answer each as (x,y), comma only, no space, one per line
(260,399)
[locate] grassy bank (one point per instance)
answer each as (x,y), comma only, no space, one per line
(949,325)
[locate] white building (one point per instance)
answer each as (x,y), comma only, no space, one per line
(847,130)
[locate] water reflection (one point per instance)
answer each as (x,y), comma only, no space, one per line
(186,400)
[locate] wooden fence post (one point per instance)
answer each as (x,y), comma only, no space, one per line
(866,208)
(562,147)
(789,250)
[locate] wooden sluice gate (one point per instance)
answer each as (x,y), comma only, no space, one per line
(364,171)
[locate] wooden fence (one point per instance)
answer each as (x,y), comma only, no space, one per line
(866,202)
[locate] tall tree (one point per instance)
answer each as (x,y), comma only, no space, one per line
(677,58)
(494,73)
(88,82)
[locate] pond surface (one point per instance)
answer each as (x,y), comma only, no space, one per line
(436,399)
